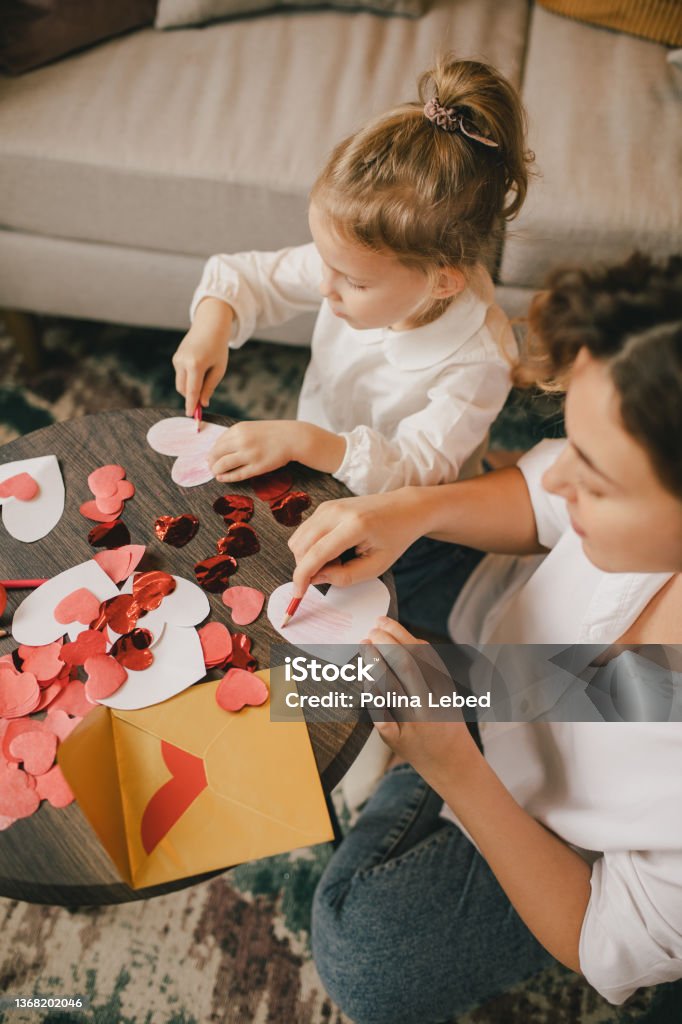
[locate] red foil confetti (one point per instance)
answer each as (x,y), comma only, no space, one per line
(150,588)
(234,508)
(241,653)
(109,535)
(133,650)
(176,530)
(120,612)
(269,486)
(239,541)
(289,509)
(213,574)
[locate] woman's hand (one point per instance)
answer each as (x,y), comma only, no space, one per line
(440,751)
(251,448)
(200,360)
(379,527)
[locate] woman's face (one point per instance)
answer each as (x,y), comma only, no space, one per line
(627,520)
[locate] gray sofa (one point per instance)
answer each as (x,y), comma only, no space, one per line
(123,167)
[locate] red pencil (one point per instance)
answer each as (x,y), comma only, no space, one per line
(291,610)
(21,584)
(198,414)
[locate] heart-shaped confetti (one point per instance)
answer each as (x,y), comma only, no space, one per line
(234,508)
(79,606)
(50,694)
(213,574)
(216,644)
(19,693)
(132,650)
(45,663)
(103,482)
(176,530)
(239,541)
(288,510)
(238,688)
(61,724)
(111,506)
(86,645)
(22,487)
(241,653)
(246,604)
(54,788)
(18,798)
(91,510)
(269,486)
(73,700)
(119,563)
(150,588)
(120,612)
(109,535)
(36,749)
(15,728)
(105,676)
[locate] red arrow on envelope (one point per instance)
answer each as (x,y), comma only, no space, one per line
(171,801)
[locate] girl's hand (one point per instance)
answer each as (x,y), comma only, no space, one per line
(200,360)
(442,752)
(249,449)
(379,527)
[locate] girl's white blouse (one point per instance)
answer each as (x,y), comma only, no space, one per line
(612,790)
(413,406)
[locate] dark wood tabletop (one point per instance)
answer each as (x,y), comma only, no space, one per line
(54,856)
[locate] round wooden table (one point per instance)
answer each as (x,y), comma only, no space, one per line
(54,856)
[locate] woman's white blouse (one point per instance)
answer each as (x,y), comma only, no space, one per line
(413,406)
(611,790)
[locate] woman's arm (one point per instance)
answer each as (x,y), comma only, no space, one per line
(491,512)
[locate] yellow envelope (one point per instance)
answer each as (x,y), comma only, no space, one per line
(184,787)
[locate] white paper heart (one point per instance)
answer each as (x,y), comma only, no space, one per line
(178,435)
(34,622)
(332,625)
(31,520)
(178,663)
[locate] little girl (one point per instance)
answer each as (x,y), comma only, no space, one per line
(410,357)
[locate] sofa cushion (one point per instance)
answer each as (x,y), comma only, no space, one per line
(34,32)
(660,20)
(176,13)
(604,111)
(204,140)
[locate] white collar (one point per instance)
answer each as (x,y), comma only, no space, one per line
(422,347)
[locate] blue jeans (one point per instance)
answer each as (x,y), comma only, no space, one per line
(410,926)
(428,578)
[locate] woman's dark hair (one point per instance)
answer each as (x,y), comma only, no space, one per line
(630,317)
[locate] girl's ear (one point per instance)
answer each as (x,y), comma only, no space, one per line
(448,282)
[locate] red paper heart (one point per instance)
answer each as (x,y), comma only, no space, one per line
(73,700)
(60,723)
(176,530)
(238,688)
(18,798)
(19,693)
(120,562)
(216,644)
(105,676)
(103,482)
(54,788)
(125,490)
(246,604)
(15,728)
(170,802)
(49,694)
(289,509)
(36,749)
(120,612)
(213,574)
(150,588)
(22,487)
(241,653)
(239,541)
(234,508)
(109,535)
(79,606)
(45,663)
(90,510)
(111,505)
(86,645)
(269,486)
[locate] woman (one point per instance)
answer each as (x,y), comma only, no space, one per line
(565,839)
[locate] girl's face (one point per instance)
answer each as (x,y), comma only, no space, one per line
(627,520)
(370,289)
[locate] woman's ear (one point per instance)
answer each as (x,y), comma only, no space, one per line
(448,282)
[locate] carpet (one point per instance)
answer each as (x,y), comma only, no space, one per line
(234,949)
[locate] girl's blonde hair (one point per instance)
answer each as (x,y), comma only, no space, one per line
(432,197)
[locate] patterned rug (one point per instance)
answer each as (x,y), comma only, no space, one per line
(234,949)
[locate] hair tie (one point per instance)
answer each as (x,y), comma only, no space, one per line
(454,119)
